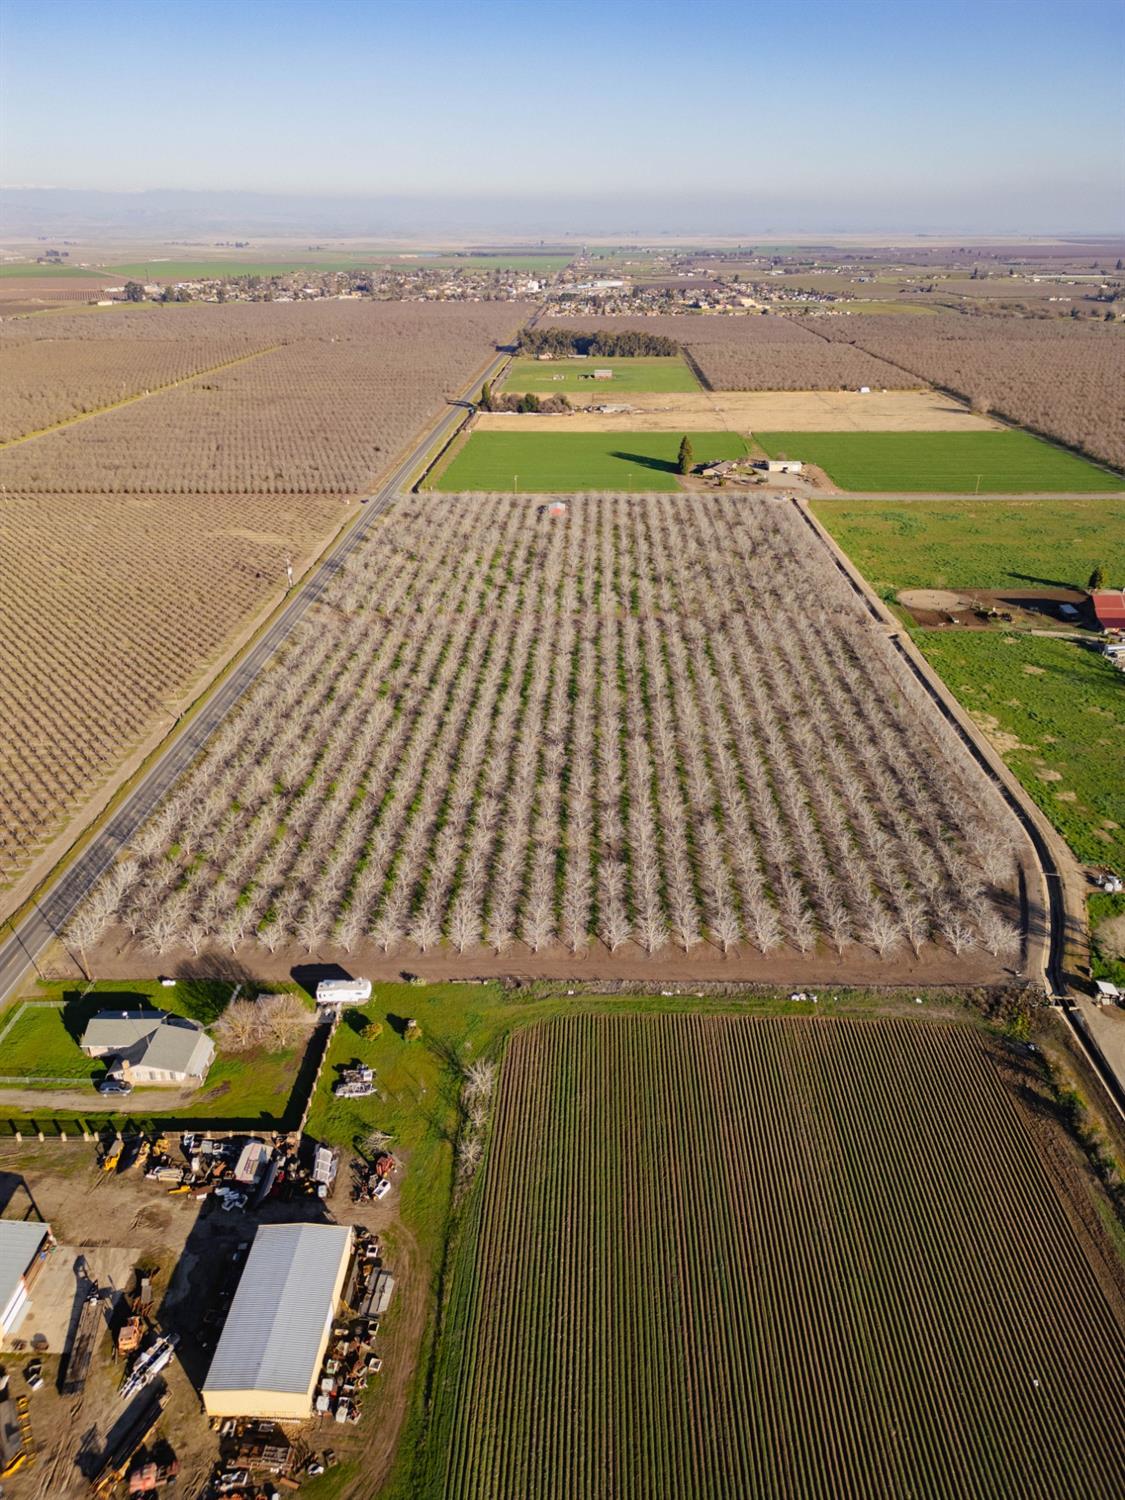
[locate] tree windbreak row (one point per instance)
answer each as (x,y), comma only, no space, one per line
(654,722)
(625,343)
(752,1259)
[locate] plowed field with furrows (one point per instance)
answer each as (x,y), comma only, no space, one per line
(724,1257)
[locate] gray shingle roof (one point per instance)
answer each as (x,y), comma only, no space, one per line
(150,1038)
(281,1311)
(19,1240)
(121,1028)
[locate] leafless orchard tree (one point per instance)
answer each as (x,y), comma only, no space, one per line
(627,728)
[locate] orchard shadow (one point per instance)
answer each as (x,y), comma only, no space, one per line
(308,976)
(205,986)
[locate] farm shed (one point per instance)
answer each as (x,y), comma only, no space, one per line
(1109,607)
(272,1346)
(24,1247)
(779,465)
(150,1046)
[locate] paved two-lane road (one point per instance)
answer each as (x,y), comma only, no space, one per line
(29,936)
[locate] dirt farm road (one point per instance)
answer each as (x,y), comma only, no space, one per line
(54,905)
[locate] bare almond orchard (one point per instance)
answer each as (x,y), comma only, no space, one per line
(650,727)
(202,449)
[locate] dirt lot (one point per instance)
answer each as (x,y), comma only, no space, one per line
(765,411)
(1028,608)
(109,1224)
(121,957)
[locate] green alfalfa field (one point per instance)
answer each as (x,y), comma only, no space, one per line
(561,462)
(962,463)
(547,377)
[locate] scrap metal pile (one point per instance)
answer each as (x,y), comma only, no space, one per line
(371,1182)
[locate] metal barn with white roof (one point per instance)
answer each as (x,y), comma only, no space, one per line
(269,1356)
(24,1246)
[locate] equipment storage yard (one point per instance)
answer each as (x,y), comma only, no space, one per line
(174,1272)
(677,686)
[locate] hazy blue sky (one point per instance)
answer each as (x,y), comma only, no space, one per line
(994,113)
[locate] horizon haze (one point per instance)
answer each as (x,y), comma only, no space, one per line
(729,120)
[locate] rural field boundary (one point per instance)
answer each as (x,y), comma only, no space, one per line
(10,1020)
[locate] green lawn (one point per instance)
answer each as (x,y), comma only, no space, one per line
(557,462)
(43,1043)
(38,1044)
(1058,710)
(956,462)
(569,375)
(985,544)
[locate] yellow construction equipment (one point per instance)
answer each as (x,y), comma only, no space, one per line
(184,1187)
(129,1337)
(112,1156)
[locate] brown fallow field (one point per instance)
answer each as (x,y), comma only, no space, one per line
(138,545)
(658,728)
(761,411)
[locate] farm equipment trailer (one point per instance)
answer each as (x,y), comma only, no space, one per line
(82,1347)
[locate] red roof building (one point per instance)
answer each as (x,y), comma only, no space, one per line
(1109,607)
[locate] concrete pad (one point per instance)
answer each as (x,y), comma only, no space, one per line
(61,1287)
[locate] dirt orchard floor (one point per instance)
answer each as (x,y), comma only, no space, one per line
(748,411)
(1030,608)
(122,957)
(189,1244)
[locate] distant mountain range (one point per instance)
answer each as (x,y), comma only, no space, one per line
(27,212)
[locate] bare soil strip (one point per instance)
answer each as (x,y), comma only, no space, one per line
(766,411)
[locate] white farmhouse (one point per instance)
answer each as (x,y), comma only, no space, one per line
(150,1046)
